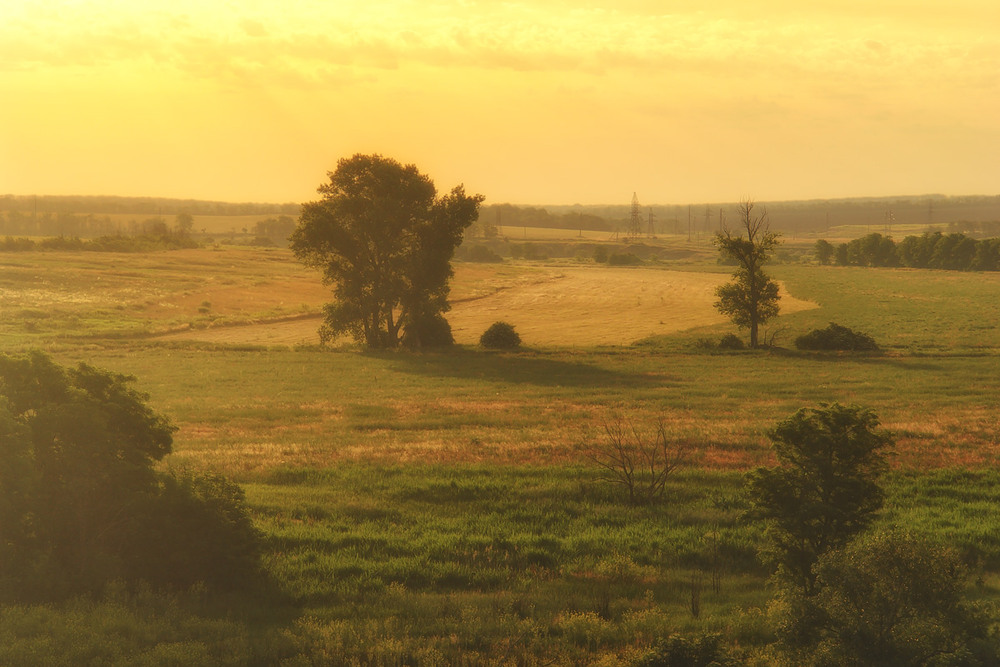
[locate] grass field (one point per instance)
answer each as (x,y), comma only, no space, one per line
(441,508)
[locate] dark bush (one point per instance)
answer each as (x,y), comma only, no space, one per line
(601,254)
(80,502)
(500,336)
(836,337)
(478,253)
(731,342)
(688,651)
(429,331)
(624,259)
(889,598)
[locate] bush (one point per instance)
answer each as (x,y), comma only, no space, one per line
(429,331)
(478,253)
(890,598)
(500,336)
(836,337)
(624,259)
(80,502)
(682,651)
(731,342)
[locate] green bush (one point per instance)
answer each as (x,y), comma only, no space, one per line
(428,331)
(836,337)
(478,253)
(890,598)
(80,502)
(731,342)
(688,651)
(500,336)
(624,259)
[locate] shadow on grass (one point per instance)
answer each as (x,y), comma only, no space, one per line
(523,367)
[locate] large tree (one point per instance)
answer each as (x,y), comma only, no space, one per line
(752,298)
(384,240)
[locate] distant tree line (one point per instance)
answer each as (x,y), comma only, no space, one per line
(32,204)
(931,250)
(494,218)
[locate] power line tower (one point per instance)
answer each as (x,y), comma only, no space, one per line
(650,232)
(635,222)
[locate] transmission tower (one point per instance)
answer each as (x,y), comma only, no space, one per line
(650,232)
(635,222)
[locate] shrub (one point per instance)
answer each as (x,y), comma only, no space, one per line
(601,254)
(428,331)
(80,502)
(500,336)
(836,337)
(890,598)
(731,342)
(624,259)
(478,253)
(703,650)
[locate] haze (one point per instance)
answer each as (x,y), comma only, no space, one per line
(548,101)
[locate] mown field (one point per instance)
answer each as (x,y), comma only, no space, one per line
(441,507)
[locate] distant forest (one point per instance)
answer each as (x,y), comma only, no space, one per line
(45,215)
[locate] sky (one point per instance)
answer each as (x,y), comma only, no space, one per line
(528,102)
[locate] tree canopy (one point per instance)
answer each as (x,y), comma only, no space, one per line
(80,501)
(752,298)
(825,490)
(384,240)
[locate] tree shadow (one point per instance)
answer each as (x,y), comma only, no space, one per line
(923,363)
(523,367)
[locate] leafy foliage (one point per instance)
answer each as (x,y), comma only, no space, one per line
(752,298)
(825,489)
(80,502)
(931,250)
(703,650)
(500,336)
(824,251)
(384,239)
(731,342)
(836,337)
(890,598)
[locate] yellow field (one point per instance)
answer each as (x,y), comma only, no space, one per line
(547,306)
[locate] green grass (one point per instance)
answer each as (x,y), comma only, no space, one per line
(382,564)
(436,508)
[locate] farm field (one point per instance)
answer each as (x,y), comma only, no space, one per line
(442,507)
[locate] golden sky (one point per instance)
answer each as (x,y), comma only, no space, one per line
(530,102)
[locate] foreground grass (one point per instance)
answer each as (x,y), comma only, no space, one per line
(475,564)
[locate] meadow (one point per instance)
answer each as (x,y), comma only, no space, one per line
(443,508)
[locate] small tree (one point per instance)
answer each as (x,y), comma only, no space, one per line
(639,461)
(824,251)
(752,298)
(825,489)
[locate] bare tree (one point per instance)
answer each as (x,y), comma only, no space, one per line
(639,461)
(752,298)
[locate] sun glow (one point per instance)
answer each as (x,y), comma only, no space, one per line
(540,102)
